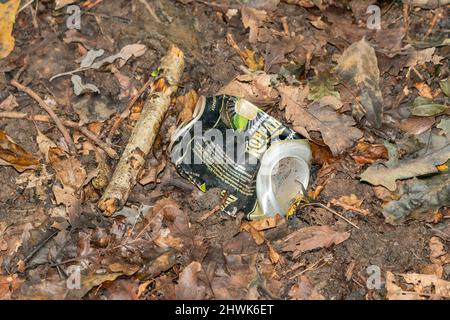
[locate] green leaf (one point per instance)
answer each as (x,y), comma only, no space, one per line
(155,73)
(445,86)
(323,86)
(424,107)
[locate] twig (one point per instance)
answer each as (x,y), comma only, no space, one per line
(216,208)
(25,6)
(50,111)
(325,259)
(103,145)
(150,10)
(40,245)
(125,113)
(43,118)
(331,210)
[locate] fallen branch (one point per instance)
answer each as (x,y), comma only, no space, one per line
(144,133)
(50,111)
(71,124)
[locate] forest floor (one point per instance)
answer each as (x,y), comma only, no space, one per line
(378,132)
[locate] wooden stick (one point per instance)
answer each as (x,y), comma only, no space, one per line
(71,124)
(50,111)
(144,133)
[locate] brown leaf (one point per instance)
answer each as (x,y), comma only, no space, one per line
(321,154)
(310,238)
(121,289)
(257,235)
(11,154)
(338,131)
(358,65)
(437,248)
(415,125)
(433,268)
(273,255)
(44,144)
(150,175)
(253,19)
(255,87)
(186,105)
(69,170)
(304,290)
(366,153)
(9,103)
(265,222)
(424,286)
(424,90)
(125,268)
(9,284)
(188,287)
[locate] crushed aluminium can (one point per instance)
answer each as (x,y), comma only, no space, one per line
(260,165)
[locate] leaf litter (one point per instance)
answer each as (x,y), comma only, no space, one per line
(170,241)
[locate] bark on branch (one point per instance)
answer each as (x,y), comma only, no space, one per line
(144,133)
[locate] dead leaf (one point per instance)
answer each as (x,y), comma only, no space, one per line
(273,255)
(9,284)
(186,106)
(62,3)
(80,88)
(69,170)
(351,203)
(424,90)
(379,174)
(338,131)
(90,281)
(253,19)
(255,87)
(304,290)
(11,154)
(417,58)
(88,61)
(265,222)
(8,10)
(424,286)
(428,4)
(44,144)
(125,268)
(9,104)
(415,125)
(358,65)
(150,175)
(366,153)
(395,292)
(437,249)
(188,287)
(310,238)
(257,235)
